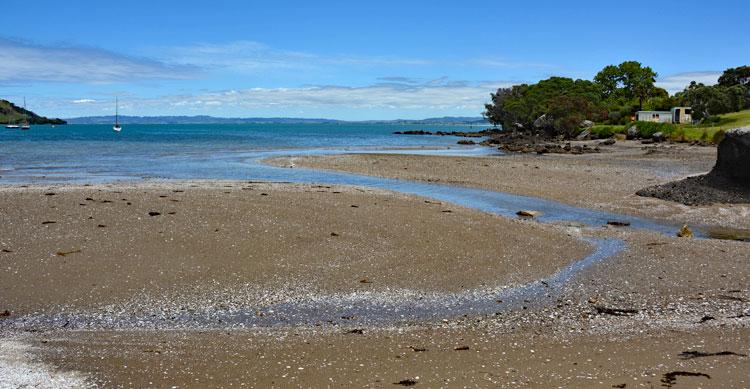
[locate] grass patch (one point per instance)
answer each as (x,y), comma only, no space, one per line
(712,131)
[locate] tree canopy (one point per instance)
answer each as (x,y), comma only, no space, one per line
(615,93)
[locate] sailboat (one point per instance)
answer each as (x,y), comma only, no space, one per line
(11,125)
(117,127)
(25,124)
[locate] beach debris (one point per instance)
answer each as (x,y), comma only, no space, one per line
(669,379)
(701,354)
(706,318)
(66,253)
(433,202)
(615,311)
(685,232)
(446,211)
(731,298)
(334,234)
(264,194)
(527,213)
(89,199)
(154,213)
(50,194)
(418,349)
(357,331)
(365,281)
(101,225)
(5,313)
(6,251)
(49,222)
(406,382)
(618,223)
(461,348)
(171,213)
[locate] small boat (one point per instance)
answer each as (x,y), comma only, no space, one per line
(25,124)
(117,127)
(11,125)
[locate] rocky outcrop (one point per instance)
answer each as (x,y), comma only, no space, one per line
(632,132)
(543,122)
(728,182)
(733,160)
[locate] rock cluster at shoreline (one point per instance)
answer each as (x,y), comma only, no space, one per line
(728,181)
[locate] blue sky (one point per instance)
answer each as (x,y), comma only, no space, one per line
(343,59)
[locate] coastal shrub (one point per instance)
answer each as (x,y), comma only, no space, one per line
(678,135)
(704,136)
(718,137)
(648,129)
(605,131)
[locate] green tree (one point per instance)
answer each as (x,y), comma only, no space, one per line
(629,80)
(736,76)
(638,81)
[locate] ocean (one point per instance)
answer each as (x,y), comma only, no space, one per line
(94,153)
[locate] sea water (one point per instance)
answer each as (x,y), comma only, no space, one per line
(95,153)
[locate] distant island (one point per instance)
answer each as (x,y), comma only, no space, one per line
(13,114)
(203,119)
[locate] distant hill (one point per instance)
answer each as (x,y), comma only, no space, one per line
(215,120)
(11,113)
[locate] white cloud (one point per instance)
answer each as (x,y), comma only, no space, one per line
(252,57)
(677,82)
(84,101)
(435,94)
(23,61)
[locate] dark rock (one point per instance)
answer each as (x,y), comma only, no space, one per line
(733,160)
(413,132)
(543,122)
(608,142)
(658,137)
(585,134)
(154,213)
(466,142)
(632,132)
(587,124)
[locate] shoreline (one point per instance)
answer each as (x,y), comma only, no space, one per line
(647,278)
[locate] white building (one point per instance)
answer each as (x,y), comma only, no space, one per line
(675,115)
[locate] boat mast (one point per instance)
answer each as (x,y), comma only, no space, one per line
(117,111)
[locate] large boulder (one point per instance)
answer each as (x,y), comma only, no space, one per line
(658,137)
(587,124)
(733,160)
(632,132)
(543,122)
(585,134)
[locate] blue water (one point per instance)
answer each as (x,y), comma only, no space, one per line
(94,153)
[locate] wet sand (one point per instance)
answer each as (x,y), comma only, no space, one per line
(606,181)
(75,248)
(666,311)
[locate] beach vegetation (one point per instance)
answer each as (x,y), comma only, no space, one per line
(612,98)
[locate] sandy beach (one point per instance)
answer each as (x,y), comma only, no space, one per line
(146,284)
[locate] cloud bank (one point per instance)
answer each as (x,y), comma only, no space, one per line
(27,62)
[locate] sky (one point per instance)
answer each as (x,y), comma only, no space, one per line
(347,60)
